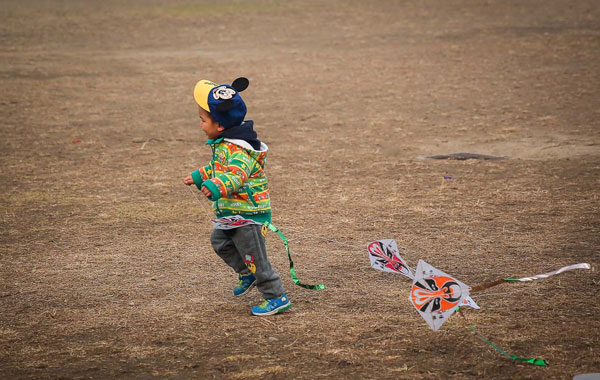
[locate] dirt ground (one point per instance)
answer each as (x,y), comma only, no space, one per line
(106,270)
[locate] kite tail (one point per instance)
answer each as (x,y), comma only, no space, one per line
(268,226)
(534,361)
(487,285)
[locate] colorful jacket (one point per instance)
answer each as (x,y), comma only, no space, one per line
(235,176)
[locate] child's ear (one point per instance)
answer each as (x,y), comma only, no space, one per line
(220,128)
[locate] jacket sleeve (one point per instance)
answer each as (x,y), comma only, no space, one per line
(239,167)
(201,175)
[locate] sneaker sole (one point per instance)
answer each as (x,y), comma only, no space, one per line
(274,311)
(247,290)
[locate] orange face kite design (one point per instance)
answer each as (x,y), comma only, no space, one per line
(436,294)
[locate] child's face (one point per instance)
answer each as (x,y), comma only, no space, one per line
(209,124)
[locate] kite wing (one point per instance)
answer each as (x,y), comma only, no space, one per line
(384,256)
(436,295)
(468,301)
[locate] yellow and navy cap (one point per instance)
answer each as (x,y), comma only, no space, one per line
(223,101)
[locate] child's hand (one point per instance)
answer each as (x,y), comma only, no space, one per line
(206,192)
(188,180)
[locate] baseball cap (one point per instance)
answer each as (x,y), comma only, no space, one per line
(223,101)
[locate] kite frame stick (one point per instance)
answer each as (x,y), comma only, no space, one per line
(486,285)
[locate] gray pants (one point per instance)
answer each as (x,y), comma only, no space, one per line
(244,250)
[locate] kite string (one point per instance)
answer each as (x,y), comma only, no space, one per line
(303,235)
(201,204)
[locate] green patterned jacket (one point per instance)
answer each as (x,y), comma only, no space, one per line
(236,179)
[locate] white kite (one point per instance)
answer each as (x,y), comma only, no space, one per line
(436,295)
(384,256)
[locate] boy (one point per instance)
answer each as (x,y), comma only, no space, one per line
(236,183)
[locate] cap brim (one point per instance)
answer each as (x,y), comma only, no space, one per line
(201,91)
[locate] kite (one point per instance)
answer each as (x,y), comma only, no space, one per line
(384,256)
(436,295)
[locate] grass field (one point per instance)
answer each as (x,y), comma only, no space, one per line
(106,269)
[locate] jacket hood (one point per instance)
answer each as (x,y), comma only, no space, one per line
(244,131)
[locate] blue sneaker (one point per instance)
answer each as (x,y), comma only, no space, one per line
(272,306)
(246,283)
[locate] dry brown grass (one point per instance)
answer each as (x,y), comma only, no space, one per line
(105,266)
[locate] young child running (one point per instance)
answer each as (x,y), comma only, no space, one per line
(235,181)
